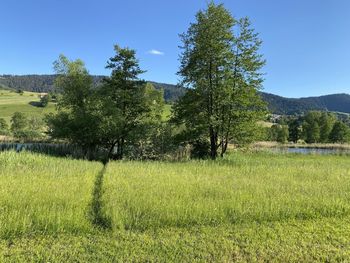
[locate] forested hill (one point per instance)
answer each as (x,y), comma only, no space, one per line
(277,104)
(281,105)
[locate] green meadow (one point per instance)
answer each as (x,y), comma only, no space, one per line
(10,102)
(247,207)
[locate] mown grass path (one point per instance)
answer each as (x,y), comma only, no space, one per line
(97,215)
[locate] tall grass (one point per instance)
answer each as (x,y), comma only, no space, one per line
(40,194)
(250,207)
(240,189)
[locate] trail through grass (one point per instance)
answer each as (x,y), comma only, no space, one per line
(97,214)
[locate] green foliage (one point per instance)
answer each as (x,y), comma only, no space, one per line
(152,138)
(25,128)
(76,119)
(295,129)
(340,133)
(317,127)
(279,133)
(326,121)
(121,115)
(4,128)
(44,100)
(130,108)
(19,123)
(223,70)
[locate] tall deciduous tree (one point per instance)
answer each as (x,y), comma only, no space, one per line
(76,120)
(4,128)
(19,122)
(327,121)
(220,65)
(340,133)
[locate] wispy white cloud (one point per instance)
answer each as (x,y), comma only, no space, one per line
(155,52)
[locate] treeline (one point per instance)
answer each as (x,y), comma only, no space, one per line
(314,127)
(220,67)
(23,127)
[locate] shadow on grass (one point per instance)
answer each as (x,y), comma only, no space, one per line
(36,104)
(96,213)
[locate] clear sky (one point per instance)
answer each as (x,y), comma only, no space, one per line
(306,42)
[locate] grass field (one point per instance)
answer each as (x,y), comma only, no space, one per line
(246,207)
(10,102)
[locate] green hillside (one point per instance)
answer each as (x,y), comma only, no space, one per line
(11,102)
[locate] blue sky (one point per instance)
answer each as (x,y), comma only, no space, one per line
(306,42)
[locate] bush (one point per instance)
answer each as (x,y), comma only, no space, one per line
(44,100)
(200,149)
(4,128)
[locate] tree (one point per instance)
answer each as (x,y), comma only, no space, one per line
(147,141)
(340,133)
(295,130)
(313,133)
(19,123)
(126,103)
(326,121)
(283,134)
(76,119)
(279,133)
(221,70)
(4,128)
(311,127)
(44,100)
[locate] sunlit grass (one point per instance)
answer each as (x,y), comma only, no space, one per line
(11,102)
(239,189)
(40,194)
(246,207)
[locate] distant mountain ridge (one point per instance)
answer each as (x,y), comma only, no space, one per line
(277,104)
(332,102)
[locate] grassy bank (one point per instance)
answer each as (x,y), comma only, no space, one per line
(247,207)
(336,146)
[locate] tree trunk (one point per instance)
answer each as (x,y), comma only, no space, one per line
(122,149)
(213,148)
(109,155)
